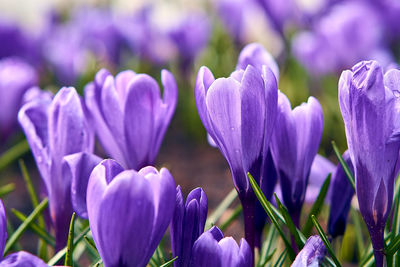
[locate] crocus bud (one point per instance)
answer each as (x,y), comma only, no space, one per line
(239,113)
(369,102)
(16,77)
(129,115)
(341,194)
(212,249)
(54,129)
(256,55)
(20,258)
(295,143)
(187,224)
(312,253)
(129,212)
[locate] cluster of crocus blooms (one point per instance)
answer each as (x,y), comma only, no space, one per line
(369,101)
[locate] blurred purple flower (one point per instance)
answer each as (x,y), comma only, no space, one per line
(129,115)
(320,169)
(231,13)
(129,212)
(341,38)
(369,102)
(145,39)
(15,42)
(239,113)
(312,253)
(190,35)
(212,249)
(341,194)
(55,129)
(187,224)
(16,77)
(256,55)
(20,258)
(294,144)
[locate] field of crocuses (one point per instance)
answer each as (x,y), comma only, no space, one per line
(298,101)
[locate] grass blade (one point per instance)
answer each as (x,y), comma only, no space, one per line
(21,229)
(90,242)
(216,215)
(267,207)
(41,232)
(236,212)
(13,153)
(62,252)
(289,223)
(317,206)
(346,169)
(168,263)
(35,203)
(281,259)
(70,244)
(267,246)
(393,246)
(325,240)
(6,189)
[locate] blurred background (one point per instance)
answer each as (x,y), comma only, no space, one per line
(64,43)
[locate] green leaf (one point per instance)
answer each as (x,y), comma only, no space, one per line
(62,252)
(13,153)
(346,168)
(289,223)
(90,242)
(22,228)
(395,230)
(6,189)
(70,244)
(317,206)
(325,240)
(358,232)
(168,263)
(267,246)
(35,203)
(267,207)
(236,212)
(393,246)
(41,232)
(281,259)
(222,207)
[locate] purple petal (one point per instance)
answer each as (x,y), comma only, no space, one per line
(224,108)
(141,109)
(24,259)
(3,229)
(78,167)
(206,251)
(312,254)
(320,169)
(177,226)
(256,55)
(125,220)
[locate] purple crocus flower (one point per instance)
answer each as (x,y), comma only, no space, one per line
(212,249)
(56,128)
(16,77)
(341,194)
(369,102)
(312,253)
(294,144)
(20,258)
(256,55)
(187,224)
(239,113)
(129,212)
(129,115)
